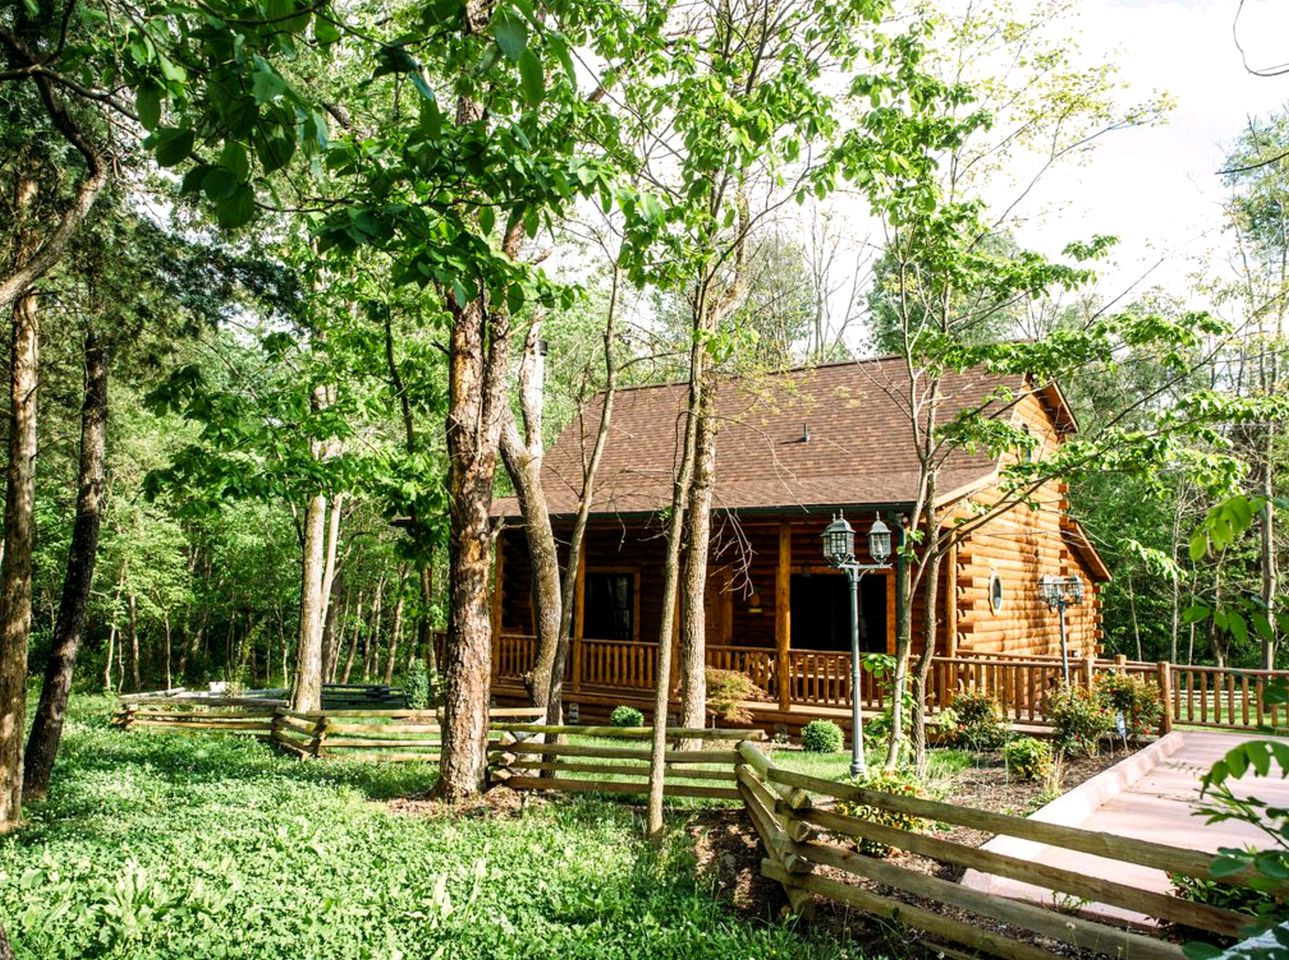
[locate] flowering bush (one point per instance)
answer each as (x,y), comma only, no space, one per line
(1137,700)
(1080,720)
(980,725)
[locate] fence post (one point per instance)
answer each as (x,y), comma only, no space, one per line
(319,735)
(1166,695)
(1089,669)
(1120,661)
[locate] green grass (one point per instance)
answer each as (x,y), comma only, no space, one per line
(161,846)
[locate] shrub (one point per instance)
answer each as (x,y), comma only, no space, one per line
(980,723)
(1080,720)
(822,736)
(626,717)
(727,691)
(1137,700)
(417,687)
(899,782)
(1028,758)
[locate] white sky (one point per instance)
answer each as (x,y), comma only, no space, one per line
(1156,188)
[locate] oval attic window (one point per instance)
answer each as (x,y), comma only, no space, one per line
(996,593)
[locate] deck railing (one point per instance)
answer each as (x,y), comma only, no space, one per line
(1198,695)
(1225,697)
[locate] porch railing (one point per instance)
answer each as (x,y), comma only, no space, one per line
(1195,695)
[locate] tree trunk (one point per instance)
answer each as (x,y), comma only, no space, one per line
(353,640)
(371,638)
(522,456)
(670,585)
(6,951)
(306,691)
(555,702)
(47,725)
(132,607)
(425,627)
(476,399)
(693,634)
(19,528)
(396,628)
(111,649)
(931,624)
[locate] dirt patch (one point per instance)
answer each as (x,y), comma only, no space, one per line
(499,801)
(729,857)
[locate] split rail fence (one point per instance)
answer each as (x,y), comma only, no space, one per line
(807,825)
(810,841)
(376,735)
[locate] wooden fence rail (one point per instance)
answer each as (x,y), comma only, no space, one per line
(799,836)
(619,766)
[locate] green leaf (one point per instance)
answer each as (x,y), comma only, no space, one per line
(394,60)
(487,219)
(193,178)
(532,77)
(511,34)
(266,84)
(234,157)
(147,103)
(1198,546)
(219,183)
(559,46)
(324,31)
(172,145)
(275,152)
(236,209)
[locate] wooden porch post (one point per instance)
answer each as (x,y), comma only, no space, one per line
(1166,695)
(951,601)
(783,615)
(498,586)
(579,621)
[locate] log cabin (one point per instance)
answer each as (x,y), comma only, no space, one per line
(794,449)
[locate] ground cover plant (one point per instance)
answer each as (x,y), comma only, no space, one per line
(159,846)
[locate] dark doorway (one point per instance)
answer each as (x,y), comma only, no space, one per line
(821,612)
(608,606)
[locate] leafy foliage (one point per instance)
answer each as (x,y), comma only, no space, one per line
(979,721)
(729,691)
(1080,720)
(1028,758)
(1137,699)
(167,847)
(822,736)
(901,783)
(417,685)
(624,716)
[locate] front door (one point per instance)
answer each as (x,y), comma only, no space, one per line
(821,612)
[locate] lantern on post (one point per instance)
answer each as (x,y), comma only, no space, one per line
(1059,593)
(839,551)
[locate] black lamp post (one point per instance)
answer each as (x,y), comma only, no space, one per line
(839,551)
(1059,593)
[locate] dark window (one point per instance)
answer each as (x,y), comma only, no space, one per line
(609,606)
(996,593)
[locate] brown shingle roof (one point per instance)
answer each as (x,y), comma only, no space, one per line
(859,450)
